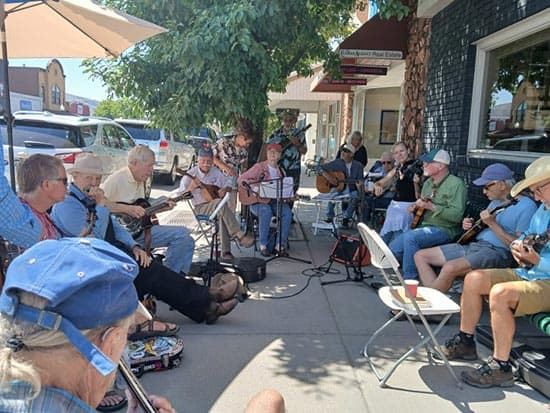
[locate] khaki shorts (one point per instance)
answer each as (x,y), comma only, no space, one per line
(534,296)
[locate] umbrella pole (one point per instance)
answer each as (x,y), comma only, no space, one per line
(7,101)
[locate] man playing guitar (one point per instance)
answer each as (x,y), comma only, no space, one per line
(500,224)
(353,176)
(208,185)
(127,185)
(265,208)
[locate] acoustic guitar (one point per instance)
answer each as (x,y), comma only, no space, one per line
(135,387)
(135,226)
(249,194)
(327,181)
(480,225)
(208,191)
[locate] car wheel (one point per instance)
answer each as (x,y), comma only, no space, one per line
(170,177)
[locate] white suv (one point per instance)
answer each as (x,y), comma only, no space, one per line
(170,150)
(68,135)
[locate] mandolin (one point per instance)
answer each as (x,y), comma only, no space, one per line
(209,192)
(480,225)
(537,242)
(419,213)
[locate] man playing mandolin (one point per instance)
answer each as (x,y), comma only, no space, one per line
(208,185)
(124,188)
(512,292)
(499,224)
(440,210)
(352,173)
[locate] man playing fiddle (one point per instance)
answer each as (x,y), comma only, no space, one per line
(265,208)
(209,185)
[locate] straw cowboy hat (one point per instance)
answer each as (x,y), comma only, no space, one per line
(538,171)
(87,163)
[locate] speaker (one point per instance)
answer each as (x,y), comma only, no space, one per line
(350,251)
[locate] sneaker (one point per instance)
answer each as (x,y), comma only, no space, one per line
(455,349)
(264,252)
(489,375)
(329,220)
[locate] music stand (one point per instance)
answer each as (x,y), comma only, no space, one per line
(212,265)
(279,182)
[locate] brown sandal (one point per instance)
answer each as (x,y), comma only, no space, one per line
(147,329)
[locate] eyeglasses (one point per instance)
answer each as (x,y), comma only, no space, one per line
(64,179)
(539,189)
(489,185)
(386,162)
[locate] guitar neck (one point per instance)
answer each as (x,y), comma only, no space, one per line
(136,388)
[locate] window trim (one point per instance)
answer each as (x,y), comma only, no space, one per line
(517,31)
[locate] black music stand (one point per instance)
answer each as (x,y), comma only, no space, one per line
(279,208)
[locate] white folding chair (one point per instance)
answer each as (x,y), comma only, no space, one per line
(439,304)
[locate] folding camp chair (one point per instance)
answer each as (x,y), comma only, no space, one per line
(437,303)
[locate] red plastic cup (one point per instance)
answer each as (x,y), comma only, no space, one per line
(412,288)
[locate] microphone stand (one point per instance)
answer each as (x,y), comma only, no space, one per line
(279,208)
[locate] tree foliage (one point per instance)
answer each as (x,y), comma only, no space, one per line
(120,108)
(220,58)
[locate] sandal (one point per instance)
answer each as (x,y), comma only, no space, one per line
(147,329)
(112,401)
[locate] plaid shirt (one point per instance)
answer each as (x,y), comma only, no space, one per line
(18,224)
(50,399)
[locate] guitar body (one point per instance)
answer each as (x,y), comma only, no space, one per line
(250,196)
(324,184)
(135,226)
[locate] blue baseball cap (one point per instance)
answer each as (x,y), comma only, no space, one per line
(436,155)
(206,151)
(494,172)
(87,283)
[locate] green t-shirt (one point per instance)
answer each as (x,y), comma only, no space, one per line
(450,202)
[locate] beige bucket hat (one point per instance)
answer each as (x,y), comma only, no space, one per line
(538,171)
(87,163)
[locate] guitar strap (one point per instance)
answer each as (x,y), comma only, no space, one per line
(90,206)
(147,237)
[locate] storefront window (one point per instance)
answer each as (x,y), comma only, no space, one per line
(517,109)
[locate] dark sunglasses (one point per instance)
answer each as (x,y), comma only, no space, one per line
(386,162)
(489,185)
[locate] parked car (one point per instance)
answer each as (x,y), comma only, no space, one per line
(525,143)
(205,136)
(67,136)
(170,150)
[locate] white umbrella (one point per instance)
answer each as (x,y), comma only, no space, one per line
(63,28)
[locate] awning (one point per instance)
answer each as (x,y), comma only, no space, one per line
(376,43)
(377,39)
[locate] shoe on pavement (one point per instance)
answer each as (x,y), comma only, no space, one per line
(217,310)
(329,220)
(264,252)
(225,292)
(489,374)
(456,349)
(246,241)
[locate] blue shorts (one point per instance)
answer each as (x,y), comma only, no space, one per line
(479,254)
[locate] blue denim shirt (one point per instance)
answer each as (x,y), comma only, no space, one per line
(70,216)
(18,224)
(50,399)
(540,223)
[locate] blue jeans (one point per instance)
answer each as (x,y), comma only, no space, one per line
(180,246)
(352,203)
(405,246)
(264,212)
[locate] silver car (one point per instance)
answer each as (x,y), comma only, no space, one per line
(170,151)
(66,136)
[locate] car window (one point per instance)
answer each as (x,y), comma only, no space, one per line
(143,133)
(88,134)
(39,134)
(115,137)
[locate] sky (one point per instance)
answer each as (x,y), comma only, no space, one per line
(76,82)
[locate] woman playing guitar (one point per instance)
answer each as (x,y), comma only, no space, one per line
(264,208)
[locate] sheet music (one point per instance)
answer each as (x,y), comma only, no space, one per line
(268,189)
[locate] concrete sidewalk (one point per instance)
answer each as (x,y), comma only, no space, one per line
(305,340)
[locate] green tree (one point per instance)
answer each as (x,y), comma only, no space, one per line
(219,59)
(121,108)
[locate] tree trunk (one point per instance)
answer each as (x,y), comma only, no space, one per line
(414,87)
